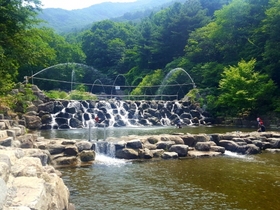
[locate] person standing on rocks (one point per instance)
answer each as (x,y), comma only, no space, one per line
(261,127)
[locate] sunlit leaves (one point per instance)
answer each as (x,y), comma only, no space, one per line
(148,82)
(242,88)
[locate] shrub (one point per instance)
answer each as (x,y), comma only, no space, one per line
(80,95)
(56,94)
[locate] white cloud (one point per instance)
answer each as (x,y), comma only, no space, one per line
(75,4)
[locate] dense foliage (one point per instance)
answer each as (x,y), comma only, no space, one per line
(228,47)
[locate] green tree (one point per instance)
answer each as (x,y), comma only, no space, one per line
(165,33)
(234,34)
(44,48)
(15,17)
(242,90)
(106,45)
(147,85)
(212,6)
(271,30)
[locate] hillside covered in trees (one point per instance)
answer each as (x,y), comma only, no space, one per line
(65,21)
(230,48)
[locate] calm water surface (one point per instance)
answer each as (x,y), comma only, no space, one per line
(99,133)
(229,182)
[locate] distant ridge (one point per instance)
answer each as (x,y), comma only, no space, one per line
(72,20)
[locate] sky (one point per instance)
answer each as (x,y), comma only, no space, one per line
(75,4)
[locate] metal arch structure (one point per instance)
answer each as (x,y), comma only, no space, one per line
(158,94)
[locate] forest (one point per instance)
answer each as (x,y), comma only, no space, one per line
(230,49)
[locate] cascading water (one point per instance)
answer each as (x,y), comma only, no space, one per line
(118,113)
(95,84)
(168,77)
(72,78)
(105,154)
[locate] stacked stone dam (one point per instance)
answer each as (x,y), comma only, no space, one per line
(64,114)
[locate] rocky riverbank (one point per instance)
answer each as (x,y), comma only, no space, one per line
(29,178)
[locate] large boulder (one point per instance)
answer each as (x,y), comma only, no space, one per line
(157,153)
(27,184)
(229,145)
(46,119)
(215,138)
(134,144)
(169,155)
(189,140)
(202,138)
(47,107)
(120,145)
(75,123)
(176,139)
(70,150)
(32,108)
(5,167)
(218,149)
(87,155)
(32,122)
(61,161)
(252,149)
(275,143)
(181,150)
(127,153)
(6,142)
(55,148)
(153,139)
(42,155)
(145,154)
(83,145)
(203,146)
(149,146)
(26,141)
(165,145)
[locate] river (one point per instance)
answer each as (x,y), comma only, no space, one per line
(103,133)
(228,182)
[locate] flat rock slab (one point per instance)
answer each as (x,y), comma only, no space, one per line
(30,192)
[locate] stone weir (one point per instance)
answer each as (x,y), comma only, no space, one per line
(67,114)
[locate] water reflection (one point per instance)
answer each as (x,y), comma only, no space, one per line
(229,182)
(101,133)
(204,183)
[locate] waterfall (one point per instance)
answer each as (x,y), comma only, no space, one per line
(105,154)
(119,113)
(105,148)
